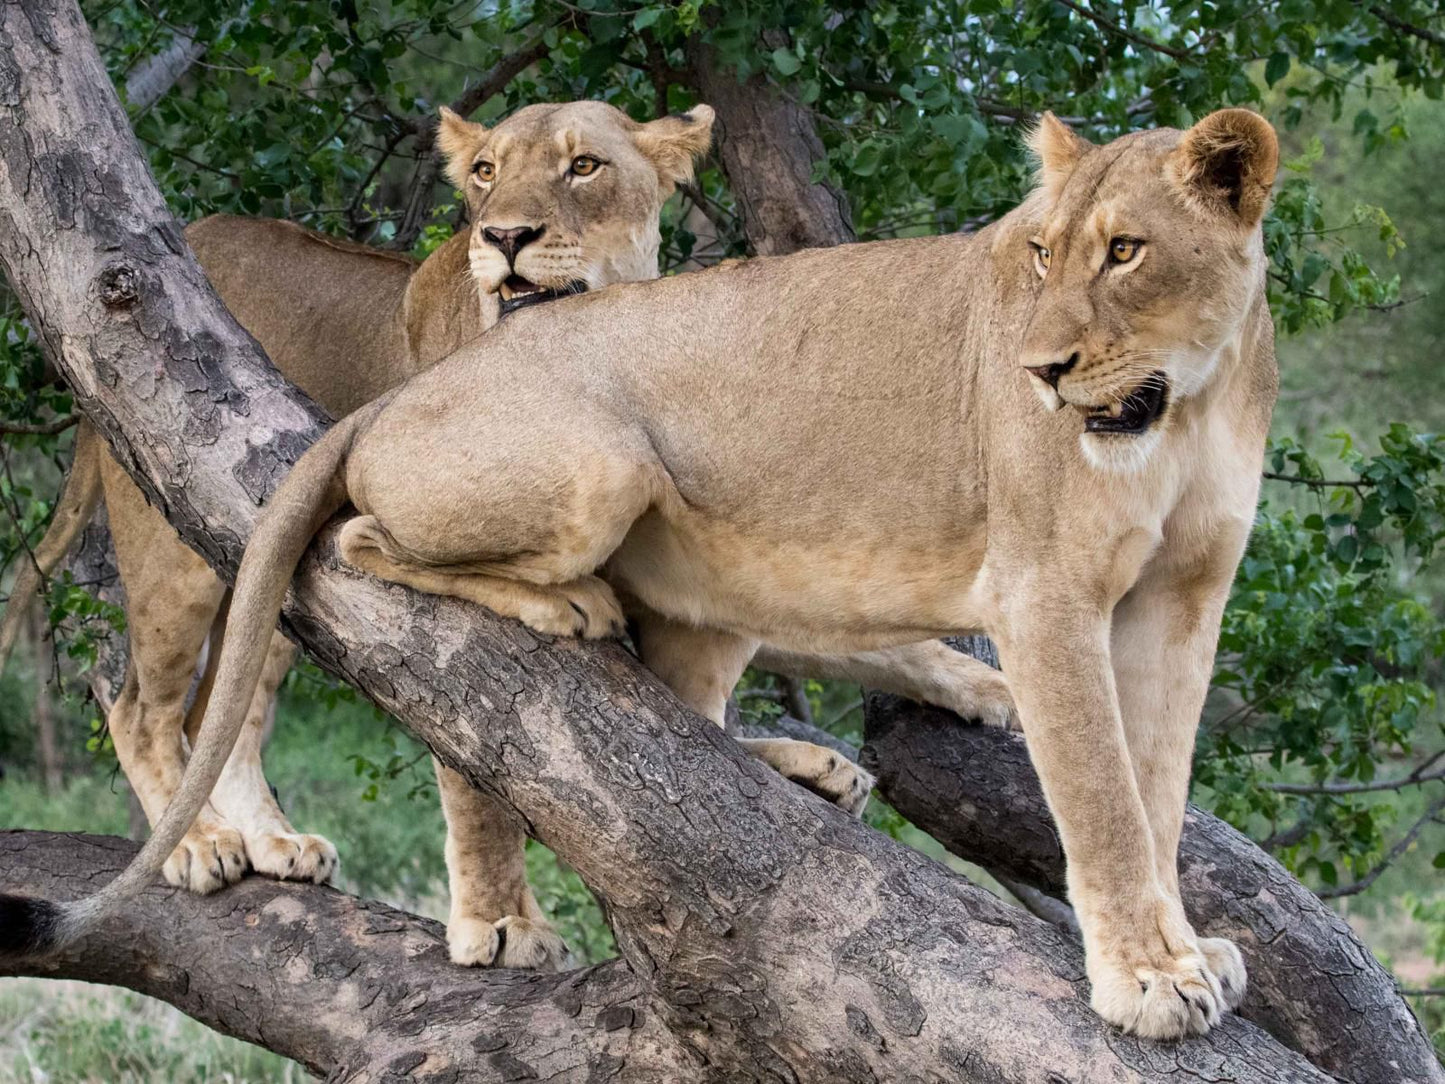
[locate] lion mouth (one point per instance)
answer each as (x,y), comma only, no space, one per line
(1135,412)
(517,292)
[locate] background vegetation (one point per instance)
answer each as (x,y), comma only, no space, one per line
(1323,738)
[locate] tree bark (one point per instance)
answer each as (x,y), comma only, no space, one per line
(352,989)
(1312,983)
(769,146)
(773,937)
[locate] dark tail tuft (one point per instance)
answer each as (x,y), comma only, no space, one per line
(28,927)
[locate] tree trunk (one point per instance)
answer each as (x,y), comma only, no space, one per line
(769,146)
(771,937)
(1312,984)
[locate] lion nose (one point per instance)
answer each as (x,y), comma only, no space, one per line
(1051,372)
(512,239)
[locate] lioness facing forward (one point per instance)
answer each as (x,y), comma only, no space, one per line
(562,199)
(1051,431)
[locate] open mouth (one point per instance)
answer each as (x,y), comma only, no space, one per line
(1134,413)
(517,292)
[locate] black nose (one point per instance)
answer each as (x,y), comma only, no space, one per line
(512,240)
(1050,373)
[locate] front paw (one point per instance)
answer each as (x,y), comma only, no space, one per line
(1156,981)
(510,941)
(985,699)
(210,856)
(292,856)
(1225,960)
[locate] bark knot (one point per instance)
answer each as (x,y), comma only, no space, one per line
(119,286)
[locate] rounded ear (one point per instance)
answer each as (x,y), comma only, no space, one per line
(671,144)
(1057,148)
(459,139)
(1227,162)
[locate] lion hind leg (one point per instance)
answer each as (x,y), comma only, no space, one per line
(583,606)
(494,918)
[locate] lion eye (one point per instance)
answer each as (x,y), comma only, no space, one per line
(584,164)
(1122,250)
(484,172)
(1042,256)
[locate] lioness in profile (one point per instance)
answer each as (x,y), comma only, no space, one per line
(1051,431)
(563,199)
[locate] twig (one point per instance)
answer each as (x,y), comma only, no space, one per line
(39,429)
(1318,483)
(1115,28)
(1403,845)
(1434,37)
(1418,777)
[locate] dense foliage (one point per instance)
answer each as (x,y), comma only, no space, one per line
(1324,737)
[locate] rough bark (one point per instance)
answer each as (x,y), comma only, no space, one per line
(1312,983)
(775,938)
(769,145)
(352,989)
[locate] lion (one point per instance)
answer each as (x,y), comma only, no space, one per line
(1051,431)
(563,199)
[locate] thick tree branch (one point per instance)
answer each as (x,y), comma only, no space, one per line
(778,938)
(350,988)
(1312,983)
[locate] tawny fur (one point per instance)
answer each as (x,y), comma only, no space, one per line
(347,323)
(925,489)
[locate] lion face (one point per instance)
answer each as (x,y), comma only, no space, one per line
(1150,254)
(566,198)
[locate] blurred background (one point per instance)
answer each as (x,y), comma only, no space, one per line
(1322,738)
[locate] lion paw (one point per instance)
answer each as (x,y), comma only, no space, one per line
(209,857)
(293,856)
(1163,997)
(986,700)
(511,942)
(585,607)
(826,773)
(1225,961)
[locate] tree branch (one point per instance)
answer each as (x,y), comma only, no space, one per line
(39,429)
(778,938)
(972,788)
(1403,844)
(350,988)
(1434,37)
(1114,28)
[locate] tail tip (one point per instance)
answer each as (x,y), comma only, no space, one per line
(28,926)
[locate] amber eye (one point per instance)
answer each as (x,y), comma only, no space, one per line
(1123,249)
(1042,256)
(584,164)
(484,172)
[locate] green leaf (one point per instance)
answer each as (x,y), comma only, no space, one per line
(1276,68)
(786,62)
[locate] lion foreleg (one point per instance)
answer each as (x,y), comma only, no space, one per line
(929,672)
(1147,970)
(494,918)
(1164,638)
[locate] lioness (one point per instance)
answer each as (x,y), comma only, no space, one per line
(1051,430)
(562,199)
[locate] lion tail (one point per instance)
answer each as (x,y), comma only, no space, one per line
(78,498)
(310,495)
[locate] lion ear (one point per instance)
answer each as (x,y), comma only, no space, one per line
(1227,162)
(671,143)
(459,139)
(1057,148)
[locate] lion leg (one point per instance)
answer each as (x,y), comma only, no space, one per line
(1147,970)
(928,672)
(494,917)
(582,606)
(172,598)
(703,665)
(1164,638)
(242,796)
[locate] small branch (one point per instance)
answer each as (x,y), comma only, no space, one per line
(1400,847)
(39,429)
(1318,483)
(1418,777)
(1434,37)
(1128,35)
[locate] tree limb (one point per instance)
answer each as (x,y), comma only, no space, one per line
(1312,983)
(777,937)
(350,988)
(39,429)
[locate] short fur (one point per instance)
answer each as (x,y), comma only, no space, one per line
(347,323)
(926,490)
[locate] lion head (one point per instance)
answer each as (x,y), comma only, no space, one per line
(1151,255)
(565,198)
